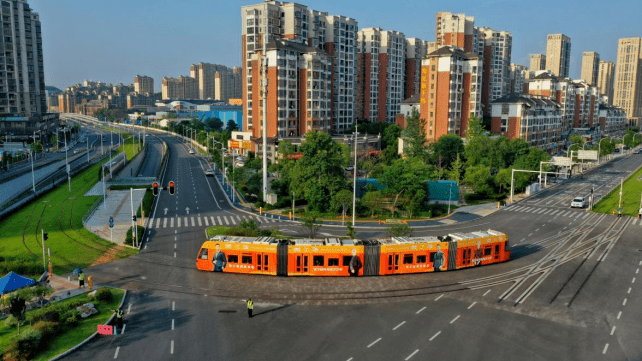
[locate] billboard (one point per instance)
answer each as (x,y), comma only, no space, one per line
(562,161)
(587,154)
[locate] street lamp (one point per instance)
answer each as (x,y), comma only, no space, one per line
(354,186)
(599,149)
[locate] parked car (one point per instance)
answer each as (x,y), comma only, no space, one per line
(209,173)
(191,151)
(578,202)
(637,151)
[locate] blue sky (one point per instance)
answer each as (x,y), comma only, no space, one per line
(114,40)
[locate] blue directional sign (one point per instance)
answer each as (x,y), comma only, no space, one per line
(111,222)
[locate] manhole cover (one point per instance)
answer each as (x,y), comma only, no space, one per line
(227,311)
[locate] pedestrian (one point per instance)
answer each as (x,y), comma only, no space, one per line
(119,317)
(250,306)
(81,280)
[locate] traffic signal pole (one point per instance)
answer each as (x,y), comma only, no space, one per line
(44,260)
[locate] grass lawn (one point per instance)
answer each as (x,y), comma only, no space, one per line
(631,191)
(70,338)
(60,214)
(217,231)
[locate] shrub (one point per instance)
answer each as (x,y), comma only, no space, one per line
(28,343)
(104,295)
(46,328)
(11,321)
(71,320)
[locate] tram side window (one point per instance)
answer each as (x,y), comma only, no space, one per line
(246,259)
(407,259)
(233,258)
(421,259)
(346,260)
(432,257)
(203,254)
(488,251)
(318,260)
(333,261)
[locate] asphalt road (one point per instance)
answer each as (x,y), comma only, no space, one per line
(569,293)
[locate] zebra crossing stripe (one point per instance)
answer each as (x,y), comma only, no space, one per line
(579,215)
(157,222)
(193,224)
(164,222)
(517,208)
(179,222)
(206,222)
(213,223)
(219,221)
(238,218)
(635,221)
(542,211)
(586,215)
(186,222)
(171,222)
(226,222)
(232,220)
(258,219)
(199,222)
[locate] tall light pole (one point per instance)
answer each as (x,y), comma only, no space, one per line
(111,154)
(599,149)
(33,152)
(354,186)
(67,162)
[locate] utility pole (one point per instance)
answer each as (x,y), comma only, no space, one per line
(67,163)
(354,186)
(264,83)
(42,237)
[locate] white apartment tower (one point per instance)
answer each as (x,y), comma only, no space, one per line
(380,74)
(143,84)
(497,47)
(558,54)
(416,50)
(628,78)
(590,67)
(605,80)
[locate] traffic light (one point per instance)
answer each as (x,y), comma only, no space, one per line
(171,187)
(155,188)
(45,236)
(134,218)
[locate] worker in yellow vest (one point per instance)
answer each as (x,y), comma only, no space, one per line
(250,306)
(81,280)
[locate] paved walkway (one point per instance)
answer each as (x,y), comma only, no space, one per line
(118,205)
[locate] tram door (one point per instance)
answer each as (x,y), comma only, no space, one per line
(263,263)
(393,262)
(302,263)
(466,259)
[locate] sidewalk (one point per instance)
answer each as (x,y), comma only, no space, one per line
(118,205)
(64,288)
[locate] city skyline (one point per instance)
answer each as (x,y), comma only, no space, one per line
(118,53)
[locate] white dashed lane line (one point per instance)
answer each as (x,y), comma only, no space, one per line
(486,293)
(172,348)
(399,325)
(412,354)
(418,312)
(612,330)
(619,314)
(435,336)
(437,299)
(116,354)
(606,347)
(471,305)
(454,319)
(372,344)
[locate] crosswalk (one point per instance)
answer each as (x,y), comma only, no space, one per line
(207,221)
(549,211)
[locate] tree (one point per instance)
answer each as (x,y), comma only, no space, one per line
(310,221)
(318,175)
(478,177)
(457,170)
(414,137)
(214,123)
(342,199)
(36,147)
(231,126)
(446,149)
(399,230)
(17,310)
(405,177)
(503,178)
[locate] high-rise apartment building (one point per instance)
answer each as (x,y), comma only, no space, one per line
(518,75)
(380,74)
(143,84)
(586,104)
(590,67)
(227,84)
(450,91)
(416,50)
(497,47)
(558,54)
(456,30)
(205,74)
(555,88)
(538,62)
(627,93)
(310,58)
(605,80)
(182,87)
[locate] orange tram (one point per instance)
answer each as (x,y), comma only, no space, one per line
(337,257)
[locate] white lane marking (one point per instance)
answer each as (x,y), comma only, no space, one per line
(173,305)
(635,221)
(437,334)
(179,222)
(619,314)
(116,354)
(412,354)
(629,290)
(537,230)
(232,220)
(624,302)
(186,222)
(172,324)
(454,319)
(193,224)
(612,330)
(418,312)
(633,280)
(586,215)
(129,308)
(372,344)
(172,348)
(522,240)
(219,220)
(226,222)
(145,246)
(640,263)
(157,222)
(471,305)
(239,218)
(530,235)
(164,222)
(123,331)
(637,271)
(174,254)
(171,222)
(606,347)
(552,214)
(350,359)
(399,325)
(213,222)
(207,224)
(486,293)
(175,245)
(199,222)
(437,299)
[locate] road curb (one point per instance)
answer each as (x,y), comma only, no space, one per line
(55,358)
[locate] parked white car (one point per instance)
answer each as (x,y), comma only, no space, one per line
(191,151)
(578,202)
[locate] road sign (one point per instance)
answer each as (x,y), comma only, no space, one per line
(111,222)
(587,154)
(246,144)
(234,144)
(562,161)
